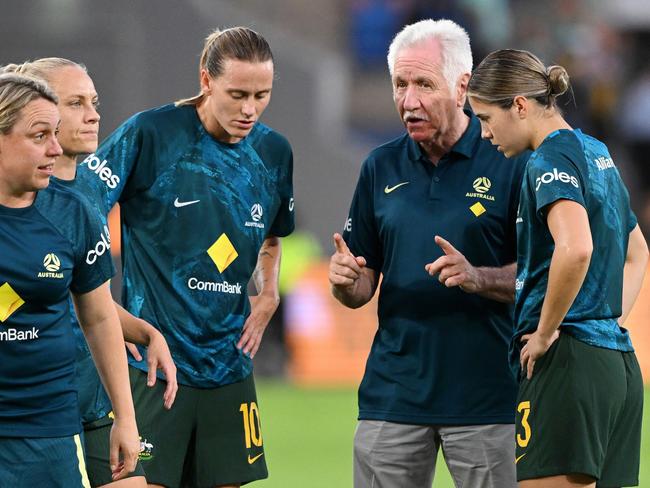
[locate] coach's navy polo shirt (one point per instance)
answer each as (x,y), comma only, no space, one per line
(440,355)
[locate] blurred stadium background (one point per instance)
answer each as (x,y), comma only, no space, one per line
(332,99)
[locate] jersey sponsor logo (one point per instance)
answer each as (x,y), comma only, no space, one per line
(478,209)
(555,175)
(348,225)
(222,252)
(10,301)
(519,284)
(390,189)
(52,264)
(179,204)
(12,334)
(481,186)
(146,450)
(256,214)
(604,163)
(101,169)
(216,286)
(101,246)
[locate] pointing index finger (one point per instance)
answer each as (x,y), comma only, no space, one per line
(446,246)
(340,245)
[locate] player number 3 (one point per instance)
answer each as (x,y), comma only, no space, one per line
(525,408)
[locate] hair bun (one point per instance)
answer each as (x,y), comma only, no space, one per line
(558,80)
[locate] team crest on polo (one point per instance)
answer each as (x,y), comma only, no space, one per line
(481,186)
(256,215)
(52,264)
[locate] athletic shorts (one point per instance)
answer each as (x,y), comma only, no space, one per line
(210,437)
(52,462)
(581,414)
(96,443)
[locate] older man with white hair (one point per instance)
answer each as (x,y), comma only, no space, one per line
(437,374)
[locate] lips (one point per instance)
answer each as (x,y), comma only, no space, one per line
(244,124)
(48,169)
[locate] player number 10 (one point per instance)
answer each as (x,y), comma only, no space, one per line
(252,429)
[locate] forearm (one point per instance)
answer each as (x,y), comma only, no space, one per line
(636,264)
(134,329)
(267,270)
(566,274)
(497,283)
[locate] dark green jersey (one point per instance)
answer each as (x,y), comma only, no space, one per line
(48,249)
(440,355)
(573,166)
(195,213)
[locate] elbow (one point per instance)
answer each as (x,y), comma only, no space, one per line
(582,254)
(577,254)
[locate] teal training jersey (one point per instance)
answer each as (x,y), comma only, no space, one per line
(573,166)
(48,249)
(195,213)
(440,355)
(94,403)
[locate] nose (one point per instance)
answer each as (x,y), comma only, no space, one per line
(92,115)
(248,109)
(485,133)
(411,99)
(54,149)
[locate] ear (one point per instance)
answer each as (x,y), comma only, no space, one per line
(461,89)
(205,82)
(520,104)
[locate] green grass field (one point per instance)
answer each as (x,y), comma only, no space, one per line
(308,437)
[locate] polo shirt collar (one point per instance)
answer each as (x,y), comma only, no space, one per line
(464,147)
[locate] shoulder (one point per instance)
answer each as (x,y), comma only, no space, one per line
(264,137)
(388,153)
(161,118)
(67,210)
(565,144)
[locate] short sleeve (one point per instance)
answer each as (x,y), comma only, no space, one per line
(554,177)
(115,160)
(360,230)
(284,221)
(93,263)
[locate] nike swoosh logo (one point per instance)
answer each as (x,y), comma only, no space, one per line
(390,189)
(517,459)
(178,204)
(252,460)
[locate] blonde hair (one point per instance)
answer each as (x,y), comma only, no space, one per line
(16,91)
(239,43)
(41,68)
(454,41)
(507,73)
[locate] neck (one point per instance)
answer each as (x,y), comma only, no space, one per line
(211,125)
(65,167)
(15,198)
(441,145)
(546,126)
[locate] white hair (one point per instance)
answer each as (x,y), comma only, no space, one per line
(456,50)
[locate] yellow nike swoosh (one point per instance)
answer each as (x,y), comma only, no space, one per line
(389,189)
(252,460)
(517,459)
